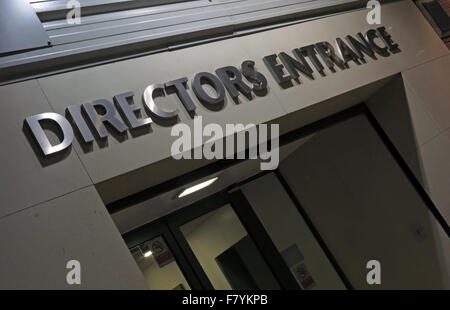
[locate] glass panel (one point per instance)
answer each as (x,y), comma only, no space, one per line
(226,253)
(158,265)
(290,234)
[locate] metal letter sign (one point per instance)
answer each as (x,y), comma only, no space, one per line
(47,148)
(282,66)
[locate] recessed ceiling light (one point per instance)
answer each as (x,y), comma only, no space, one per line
(148,253)
(197,187)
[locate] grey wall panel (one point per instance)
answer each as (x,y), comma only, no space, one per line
(103,37)
(143,178)
(123,16)
(238,12)
(51,10)
(206,13)
(26,178)
(415,113)
(365,208)
(401,18)
(435,95)
(20,28)
(93,31)
(37,243)
(108,163)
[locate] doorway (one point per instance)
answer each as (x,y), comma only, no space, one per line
(341,197)
(216,243)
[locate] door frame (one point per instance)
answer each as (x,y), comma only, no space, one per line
(160,228)
(251,223)
(169,227)
(359,109)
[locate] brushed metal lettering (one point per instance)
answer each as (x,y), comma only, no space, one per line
(33,123)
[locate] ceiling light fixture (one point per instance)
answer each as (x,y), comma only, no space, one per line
(197,187)
(148,253)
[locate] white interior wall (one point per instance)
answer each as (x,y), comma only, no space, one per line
(211,236)
(164,278)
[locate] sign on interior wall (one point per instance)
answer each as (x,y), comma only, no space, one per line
(90,118)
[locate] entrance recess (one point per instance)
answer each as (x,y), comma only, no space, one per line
(342,196)
(217,243)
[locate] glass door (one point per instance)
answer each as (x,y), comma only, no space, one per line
(160,260)
(229,247)
(217,243)
(227,254)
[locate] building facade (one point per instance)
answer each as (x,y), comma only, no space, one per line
(362,175)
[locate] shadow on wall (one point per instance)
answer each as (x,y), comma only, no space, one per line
(408,122)
(363,204)
(392,110)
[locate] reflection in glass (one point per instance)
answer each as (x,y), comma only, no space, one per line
(158,265)
(226,253)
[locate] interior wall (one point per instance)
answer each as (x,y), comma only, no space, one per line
(164,278)
(286,227)
(414,111)
(209,236)
(365,208)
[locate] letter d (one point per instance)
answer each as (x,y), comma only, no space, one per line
(47,148)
